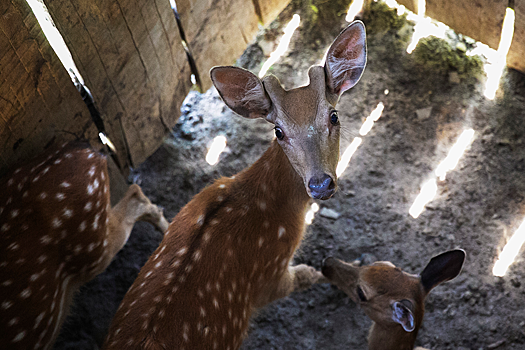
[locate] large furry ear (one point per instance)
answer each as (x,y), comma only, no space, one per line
(242,91)
(442,268)
(402,313)
(346,59)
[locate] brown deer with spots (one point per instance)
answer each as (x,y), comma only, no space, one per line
(393,299)
(58,231)
(228,250)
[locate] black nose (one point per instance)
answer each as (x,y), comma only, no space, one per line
(326,268)
(321,187)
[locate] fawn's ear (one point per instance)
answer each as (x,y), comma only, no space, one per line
(346,59)
(242,91)
(442,268)
(402,313)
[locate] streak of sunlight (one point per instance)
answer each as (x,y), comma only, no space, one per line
(55,39)
(283,44)
(217,147)
(372,118)
(355,7)
(310,214)
(347,155)
(495,66)
(429,189)
(424,26)
(509,252)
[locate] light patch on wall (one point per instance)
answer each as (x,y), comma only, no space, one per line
(496,62)
(509,252)
(283,44)
(55,39)
(216,148)
(429,189)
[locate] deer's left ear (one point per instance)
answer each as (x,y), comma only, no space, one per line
(402,313)
(346,59)
(442,268)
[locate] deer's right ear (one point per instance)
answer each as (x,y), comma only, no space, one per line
(442,268)
(242,91)
(346,59)
(403,314)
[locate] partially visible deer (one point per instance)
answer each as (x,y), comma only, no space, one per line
(228,250)
(57,231)
(392,298)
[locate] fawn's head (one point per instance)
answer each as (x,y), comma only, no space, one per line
(388,295)
(306,121)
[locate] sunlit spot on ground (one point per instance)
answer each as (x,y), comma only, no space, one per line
(355,7)
(372,118)
(55,39)
(509,252)
(283,44)
(429,189)
(347,155)
(216,148)
(310,214)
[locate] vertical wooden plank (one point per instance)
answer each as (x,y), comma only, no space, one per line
(517,49)
(38,102)
(130,54)
(270,9)
(217,31)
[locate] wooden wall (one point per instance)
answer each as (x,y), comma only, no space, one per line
(129,53)
(481,20)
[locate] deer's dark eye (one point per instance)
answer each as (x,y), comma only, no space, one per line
(361,294)
(334,118)
(279,133)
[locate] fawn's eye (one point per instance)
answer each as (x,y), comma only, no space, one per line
(279,133)
(361,294)
(334,118)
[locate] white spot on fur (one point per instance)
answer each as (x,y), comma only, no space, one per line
(281,232)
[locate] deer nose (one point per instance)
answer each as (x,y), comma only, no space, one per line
(327,267)
(321,187)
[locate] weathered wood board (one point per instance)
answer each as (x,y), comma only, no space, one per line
(131,57)
(218,31)
(38,102)
(481,20)
(515,58)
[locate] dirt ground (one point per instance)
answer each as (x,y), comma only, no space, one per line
(477,208)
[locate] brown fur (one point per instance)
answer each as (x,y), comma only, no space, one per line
(384,286)
(228,250)
(57,232)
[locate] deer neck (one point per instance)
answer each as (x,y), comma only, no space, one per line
(275,181)
(391,338)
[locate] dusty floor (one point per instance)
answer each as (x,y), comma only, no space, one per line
(478,206)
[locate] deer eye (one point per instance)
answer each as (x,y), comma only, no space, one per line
(279,133)
(361,294)
(334,118)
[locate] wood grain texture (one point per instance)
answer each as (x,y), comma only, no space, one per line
(131,57)
(38,102)
(217,31)
(517,49)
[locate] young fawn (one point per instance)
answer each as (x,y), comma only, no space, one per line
(57,231)
(392,298)
(227,251)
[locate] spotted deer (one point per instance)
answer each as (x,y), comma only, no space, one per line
(227,252)
(58,231)
(392,298)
